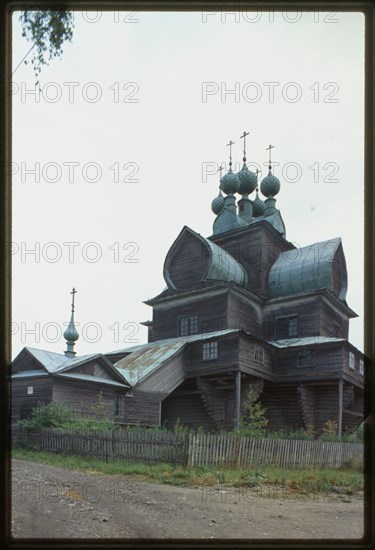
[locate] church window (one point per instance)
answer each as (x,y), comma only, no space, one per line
(306,358)
(30,390)
(351,360)
(210,350)
(361,367)
(259,354)
(287,327)
(119,405)
(188,325)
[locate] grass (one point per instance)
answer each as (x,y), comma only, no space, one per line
(302,482)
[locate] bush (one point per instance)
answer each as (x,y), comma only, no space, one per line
(330,431)
(253,421)
(51,415)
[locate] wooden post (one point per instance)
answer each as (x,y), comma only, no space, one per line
(237,406)
(340,396)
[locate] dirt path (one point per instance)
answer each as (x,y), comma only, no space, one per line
(51,502)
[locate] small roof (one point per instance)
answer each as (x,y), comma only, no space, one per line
(306,341)
(142,360)
(89,378)
(56,362)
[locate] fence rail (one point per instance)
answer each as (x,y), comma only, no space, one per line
(191,449)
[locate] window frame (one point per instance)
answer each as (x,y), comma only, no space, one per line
(361,367)
(119,405)
(190,320)
(210,351)
(351,360)
(308,361)
(259,354)
(287,318)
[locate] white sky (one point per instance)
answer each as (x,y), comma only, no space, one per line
(172,136)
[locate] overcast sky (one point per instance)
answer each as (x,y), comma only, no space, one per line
(127,131)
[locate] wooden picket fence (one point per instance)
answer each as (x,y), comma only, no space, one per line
(247,452)
(133,445)
(191,449)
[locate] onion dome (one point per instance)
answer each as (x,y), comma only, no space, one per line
(270,185)
(247,179)
(229,183)
(258,206)
(71,334)
(218,203)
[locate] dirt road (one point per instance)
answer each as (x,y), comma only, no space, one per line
(51,502)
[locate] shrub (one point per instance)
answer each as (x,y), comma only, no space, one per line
(330,431)
(253,421)
(51,415)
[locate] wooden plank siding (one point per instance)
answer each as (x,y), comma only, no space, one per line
(328,364)
(316,317)
(143,408)
(189,263)
(244,313)
(211,311)
(227,360)
(247,361)
(42,391)
(81,396)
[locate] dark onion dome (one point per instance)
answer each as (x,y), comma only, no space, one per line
(270,185)
(258,206)
(217,204)
(248,180)
(229,183)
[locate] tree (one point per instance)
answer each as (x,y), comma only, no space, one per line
(47,30)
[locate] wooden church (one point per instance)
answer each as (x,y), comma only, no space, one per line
(242,308)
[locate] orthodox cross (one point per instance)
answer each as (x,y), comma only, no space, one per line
(230,151)
(244,144)
(219,170)
(269,149)
(73,293)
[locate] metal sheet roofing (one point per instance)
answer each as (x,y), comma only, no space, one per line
(223,267)
(304,269)
(144,359)
(56,362)
(89,378)
(306,341)
(30,374)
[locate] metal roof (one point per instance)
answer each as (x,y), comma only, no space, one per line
(144,359)
(306,341)
(30,374)
(56,362)
(89,378)
(305,269)
(220,266)
(223,267)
